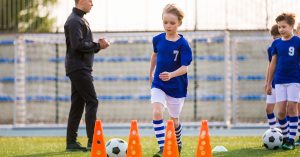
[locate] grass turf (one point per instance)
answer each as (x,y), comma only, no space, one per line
(50,146)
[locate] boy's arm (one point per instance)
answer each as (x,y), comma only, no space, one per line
(152,66)
(266,77)
(166,76)
(272,68)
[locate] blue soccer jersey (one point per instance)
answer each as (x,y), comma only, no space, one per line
(270,49)
(287,68)
(171,55)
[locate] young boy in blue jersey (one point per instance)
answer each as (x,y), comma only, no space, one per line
(271,99)
(285,60)
(171,57)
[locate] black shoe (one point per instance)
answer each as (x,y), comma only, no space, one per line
(285,140)
(75,146)
(89,146)
(179,149)
(159,153)
(289,145)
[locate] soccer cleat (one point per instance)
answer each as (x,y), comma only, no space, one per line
(297,143)
(179,149)
(285,140)
(75,146)
(288,146)
(159,153)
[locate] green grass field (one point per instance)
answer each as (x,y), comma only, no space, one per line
(49,146)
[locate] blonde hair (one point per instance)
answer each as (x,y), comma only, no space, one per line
(175,10)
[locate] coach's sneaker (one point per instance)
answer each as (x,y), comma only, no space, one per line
(75,146)
(89,146)
(289,145)
(159,153)
(297,143)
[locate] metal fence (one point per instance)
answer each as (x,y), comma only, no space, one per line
(225,80)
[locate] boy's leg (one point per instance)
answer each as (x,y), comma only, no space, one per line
(174,106)
(282,119)
(158,100)
(293,125)
(271,116)
(293,98)
(271,101)
(178,129)
(281,102)
(159,127)
(297,143)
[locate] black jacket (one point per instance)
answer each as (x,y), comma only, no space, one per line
(80,45)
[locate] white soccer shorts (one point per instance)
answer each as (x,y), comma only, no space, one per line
(271,99)
(174,105)
(287,92)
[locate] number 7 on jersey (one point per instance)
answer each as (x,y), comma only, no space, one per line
(175,52)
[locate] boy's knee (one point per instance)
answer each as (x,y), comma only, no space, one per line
(269,110)
(281,114)
(158,113)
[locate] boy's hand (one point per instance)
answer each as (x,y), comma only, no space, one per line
(165,76)
(269,89)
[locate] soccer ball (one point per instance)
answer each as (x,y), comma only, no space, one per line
(277,129)
(272,139)
(116,147)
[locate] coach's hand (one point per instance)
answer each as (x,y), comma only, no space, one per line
(165,76)
(103,43)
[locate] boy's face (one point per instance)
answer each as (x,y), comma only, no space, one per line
(170,23)
(285,29)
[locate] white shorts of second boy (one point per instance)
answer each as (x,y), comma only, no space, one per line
(271,99)
(287,92)
(174,105)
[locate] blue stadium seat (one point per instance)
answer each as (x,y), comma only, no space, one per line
(253,97)
(6,99)
(212,58)
(212,97)
(9,79)
(7,60)
(7,42)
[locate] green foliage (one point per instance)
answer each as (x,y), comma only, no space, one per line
(26,15)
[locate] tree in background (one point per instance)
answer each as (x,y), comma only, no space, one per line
(26,15)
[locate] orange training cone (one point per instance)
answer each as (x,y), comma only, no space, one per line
(204,147)
(98,146)
(134,148)
(170,147)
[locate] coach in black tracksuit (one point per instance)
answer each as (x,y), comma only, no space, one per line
(79,63)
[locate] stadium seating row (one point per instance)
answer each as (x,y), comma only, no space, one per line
(44,98)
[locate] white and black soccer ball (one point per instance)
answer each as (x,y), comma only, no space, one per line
(272,139)
(116,147)
(277,129)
